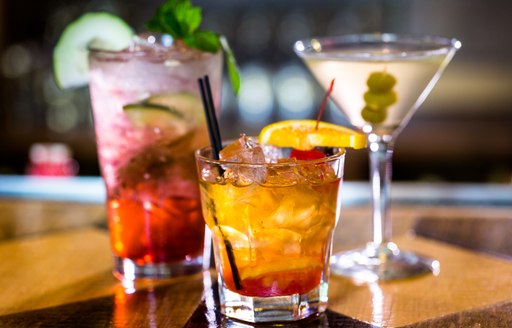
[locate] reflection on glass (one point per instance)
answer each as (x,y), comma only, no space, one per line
(377,305)
(135,307)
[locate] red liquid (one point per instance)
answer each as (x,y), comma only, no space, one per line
(277,283)
(306,155)
(151,230)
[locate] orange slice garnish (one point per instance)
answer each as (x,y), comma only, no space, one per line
(304,135)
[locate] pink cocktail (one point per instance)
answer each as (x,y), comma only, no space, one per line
(148,119)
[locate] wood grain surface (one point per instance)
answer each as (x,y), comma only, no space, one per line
(59,275)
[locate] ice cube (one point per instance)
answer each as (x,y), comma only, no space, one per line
(243,150)
(294,213)
(317,173)
(242,176)
(282,175)
(273,243)
(275,154)
(317,237)
(209,174)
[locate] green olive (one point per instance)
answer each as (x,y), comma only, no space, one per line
(379,82)
(380,100)
(373,116)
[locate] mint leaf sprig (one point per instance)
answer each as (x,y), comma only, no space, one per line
(181,20)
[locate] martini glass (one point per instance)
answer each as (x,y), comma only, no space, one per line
(380,81)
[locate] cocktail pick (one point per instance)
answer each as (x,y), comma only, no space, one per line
(216,143)
(324,103)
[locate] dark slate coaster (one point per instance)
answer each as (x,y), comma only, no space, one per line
(208,314)
(495,316)
(94,314)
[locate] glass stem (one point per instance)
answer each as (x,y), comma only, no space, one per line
(381,152)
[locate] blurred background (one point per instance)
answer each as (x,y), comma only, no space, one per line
(462,133)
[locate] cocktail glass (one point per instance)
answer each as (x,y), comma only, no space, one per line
(148,120)
(272,225)
(380,81)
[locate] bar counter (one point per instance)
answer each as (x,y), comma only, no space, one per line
(55,264)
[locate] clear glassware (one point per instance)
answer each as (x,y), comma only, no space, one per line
(149,119)
(380,81)
(272,225)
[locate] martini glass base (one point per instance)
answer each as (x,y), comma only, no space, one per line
(381,262)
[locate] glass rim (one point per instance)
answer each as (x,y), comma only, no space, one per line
(143,38)
(338,154)
(311,47)
(93,48)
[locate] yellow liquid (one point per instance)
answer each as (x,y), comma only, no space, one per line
(280,234)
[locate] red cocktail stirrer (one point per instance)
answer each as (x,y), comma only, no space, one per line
(324,103)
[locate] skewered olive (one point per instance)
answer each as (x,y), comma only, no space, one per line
(371,115)
(379,82)
(380,100)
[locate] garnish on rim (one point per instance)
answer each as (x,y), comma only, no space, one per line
(103,30)
(312,154)
(303,135)
(181,20)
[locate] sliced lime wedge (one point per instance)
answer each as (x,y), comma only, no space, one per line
(104,30)
(187,104)
(152,115)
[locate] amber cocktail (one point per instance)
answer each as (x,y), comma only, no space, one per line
(272,219)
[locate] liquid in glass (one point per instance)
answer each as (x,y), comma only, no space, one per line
(148,120)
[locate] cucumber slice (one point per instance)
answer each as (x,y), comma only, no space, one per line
(104,30)
(187,104)
(152,115)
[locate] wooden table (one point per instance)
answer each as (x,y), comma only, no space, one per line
(55,271)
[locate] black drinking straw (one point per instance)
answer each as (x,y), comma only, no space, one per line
(211,118)
(216,143)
